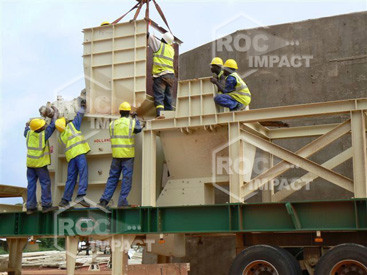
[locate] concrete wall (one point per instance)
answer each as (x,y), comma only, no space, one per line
(338,69)
(336,48)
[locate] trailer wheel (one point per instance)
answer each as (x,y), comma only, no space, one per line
(344,259)
(265,260)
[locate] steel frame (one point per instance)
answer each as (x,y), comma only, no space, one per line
(245,126)
(308,216)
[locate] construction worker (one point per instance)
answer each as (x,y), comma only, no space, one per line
(76,148)
(216,67)
(38,157)
(236,95)
(122,133)
(163,71)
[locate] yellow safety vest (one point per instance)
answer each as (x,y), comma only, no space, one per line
(163,59)
(38,150)
(74,141)
(122,137)
(242,93)
(220,75)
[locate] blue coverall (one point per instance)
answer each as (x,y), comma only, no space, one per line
(77,165)
(118,165)
(225,99)
(33,174)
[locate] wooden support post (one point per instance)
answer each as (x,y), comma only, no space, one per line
(359,153)
(16,247)
(149,169)
(120,245)
(241,159)
(71,247)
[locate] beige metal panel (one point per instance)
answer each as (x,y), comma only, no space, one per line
(190,155)
(195,98)
(187,192)
(115,66)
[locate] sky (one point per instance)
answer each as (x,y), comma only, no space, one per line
(41,49)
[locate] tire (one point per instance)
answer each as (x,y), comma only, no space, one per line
(278,259)
(355,253)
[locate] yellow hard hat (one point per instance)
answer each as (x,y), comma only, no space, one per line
(125,106)
(217,61)
(105,23)
(37,124)
(60,124)
(231,63)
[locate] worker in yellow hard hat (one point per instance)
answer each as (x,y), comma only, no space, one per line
(236,95)
(122,132)
(105,23)
(76,148)
(37,134)
(216,67)
(163,71)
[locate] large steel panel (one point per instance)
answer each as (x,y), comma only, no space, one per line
(115,66)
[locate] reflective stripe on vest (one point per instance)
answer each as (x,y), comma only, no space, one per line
(242,93)
(163,59)
(122,138)
(38,150)
(74,142)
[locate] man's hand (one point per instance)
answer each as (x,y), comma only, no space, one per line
(27,124)
(213,80)
(83,103)
(56,112)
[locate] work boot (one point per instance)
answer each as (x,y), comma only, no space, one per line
(239,107)
(80,200)
(49,209)
(31,211)
(103,204)
(64,203)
